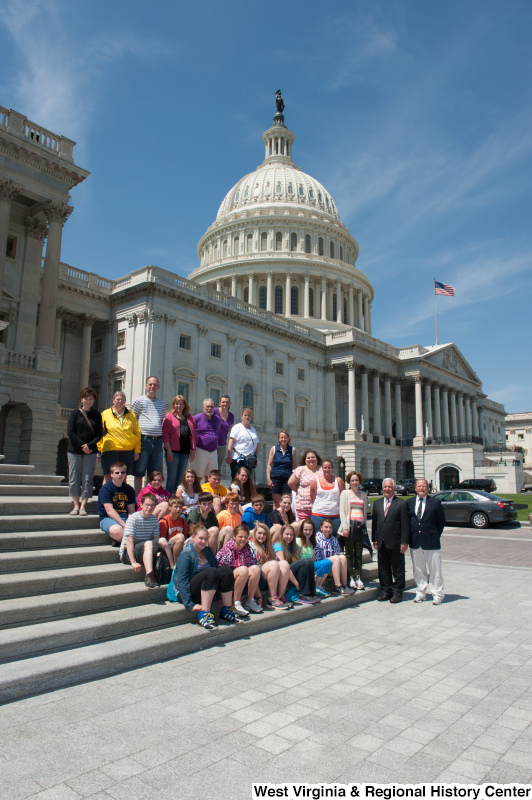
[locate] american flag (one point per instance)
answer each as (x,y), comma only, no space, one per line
(443,288)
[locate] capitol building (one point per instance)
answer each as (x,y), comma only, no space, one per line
(277,314)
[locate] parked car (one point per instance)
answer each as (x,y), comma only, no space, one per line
(527,488)
(409,485)
(477,484)
(372,486)
(479,509)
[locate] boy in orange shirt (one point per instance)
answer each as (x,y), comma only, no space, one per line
(228,519)
(173,528)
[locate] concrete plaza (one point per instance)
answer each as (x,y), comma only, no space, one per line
(376,692)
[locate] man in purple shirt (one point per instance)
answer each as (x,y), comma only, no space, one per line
(208,429)
(227,420)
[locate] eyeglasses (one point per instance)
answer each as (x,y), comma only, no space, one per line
(120,472)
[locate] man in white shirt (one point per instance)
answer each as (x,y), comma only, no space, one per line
(150,412)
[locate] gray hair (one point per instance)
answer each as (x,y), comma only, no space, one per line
(389,479)
(208,400)
(121,393)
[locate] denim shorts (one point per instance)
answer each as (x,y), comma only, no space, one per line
(107,522)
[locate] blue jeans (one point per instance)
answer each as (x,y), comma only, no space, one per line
(175,470)
(335,523)
(151,456)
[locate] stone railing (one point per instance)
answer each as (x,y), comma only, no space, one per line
(88,279)
(64,413)
(20,360)
(339,436)
(19,125)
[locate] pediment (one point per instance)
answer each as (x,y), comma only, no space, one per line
(449,357)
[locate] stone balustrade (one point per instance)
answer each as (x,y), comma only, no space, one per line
(20,360)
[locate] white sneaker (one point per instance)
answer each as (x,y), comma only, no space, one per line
(437,601)
(353,583)
(240,610)
(253,606)
(359,584)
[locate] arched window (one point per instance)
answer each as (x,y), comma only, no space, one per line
(246,294)
(308,243)
(341,253)
(263,241)
(294,300)
(248,396)
(335,306)
(293,242)
(236,245)
(320,246)
(278,300)
(249,244)
(224,248)
(278,240)
(311,302)
(331,249)
(262,297)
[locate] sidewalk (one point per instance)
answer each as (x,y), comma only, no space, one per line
(391,694)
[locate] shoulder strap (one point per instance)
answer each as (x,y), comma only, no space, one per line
(88,420)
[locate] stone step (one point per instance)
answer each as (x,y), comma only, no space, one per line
(48,522)
(22,540)
(28,610)
(31,492)
(24,677)
(30,480)
(16,469)
(37,560)
(13,504)
(22,584)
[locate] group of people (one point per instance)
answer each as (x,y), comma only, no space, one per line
(218,541)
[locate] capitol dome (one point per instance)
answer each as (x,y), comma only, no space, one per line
(278,243)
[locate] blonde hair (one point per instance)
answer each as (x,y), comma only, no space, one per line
(264,551)
(291,552)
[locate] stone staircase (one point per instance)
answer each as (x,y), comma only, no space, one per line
(71,612)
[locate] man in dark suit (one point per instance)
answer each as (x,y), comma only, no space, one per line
(427,521)
(391,536)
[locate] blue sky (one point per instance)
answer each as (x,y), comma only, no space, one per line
(415,115)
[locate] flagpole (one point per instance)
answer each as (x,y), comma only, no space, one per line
(435,316)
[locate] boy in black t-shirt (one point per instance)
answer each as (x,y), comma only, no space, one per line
(206,515)
(116,500)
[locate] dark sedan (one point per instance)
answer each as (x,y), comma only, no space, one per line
(479,509)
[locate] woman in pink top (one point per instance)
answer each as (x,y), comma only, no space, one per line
(300,481)
(325,492)
(155,487)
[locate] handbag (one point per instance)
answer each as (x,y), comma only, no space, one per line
(163,570)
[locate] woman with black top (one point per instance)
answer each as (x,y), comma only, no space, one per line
(281,516)
(281,463)
(84,430)
(179,441)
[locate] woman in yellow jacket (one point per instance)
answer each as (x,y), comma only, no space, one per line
(121,436)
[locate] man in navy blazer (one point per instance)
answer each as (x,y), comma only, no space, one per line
(427,521)
(390,531)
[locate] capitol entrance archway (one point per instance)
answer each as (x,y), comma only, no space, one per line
(16,422)
(448,477)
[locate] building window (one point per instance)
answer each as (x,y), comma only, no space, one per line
(236,245)
(262,297)
(216,350)
(11,247)
(118,385)
(248,396)
(214,394)
(224,248)
(263,242)
(248,360)
(301,191)
(182,389)
(308,244)
(294,300)
(278,300)
(278,240)
(345,311)
(311,302)
(279,368)
(300,418)
(97,345)
(121,339)
(293,242)
(300,374)
(246,294)
(520,435)
(290,189)
(279,423)
(331,249)
(184,342)
(320,246)
(335,305)
(341,253)
(249,243)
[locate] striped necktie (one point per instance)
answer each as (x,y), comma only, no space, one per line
(420,509)
(386,506)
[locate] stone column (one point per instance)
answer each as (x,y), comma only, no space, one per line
(398,412)
(428,411)
(360,311)
(231,342)
(474,412)
(314,410)
(339,301)
(291,393)
(419,407)
(452,404)
(59,314)
(351,397)
(369,318)
(437,414)
(376,404)
(84,366)
(323,299)
(288,293)
(8,193)
(330,395)
(233,285)
(269,291)
(468,417)
(250,290)
(350,306)
(445,413)
(306,304)
(365,402)
(366,313)
(57,214)
(218,285)
(269,405)
(387,407)
(461,415)
(201,388)
(480,423)
(36,232)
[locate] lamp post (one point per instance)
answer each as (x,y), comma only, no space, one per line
(501,462)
